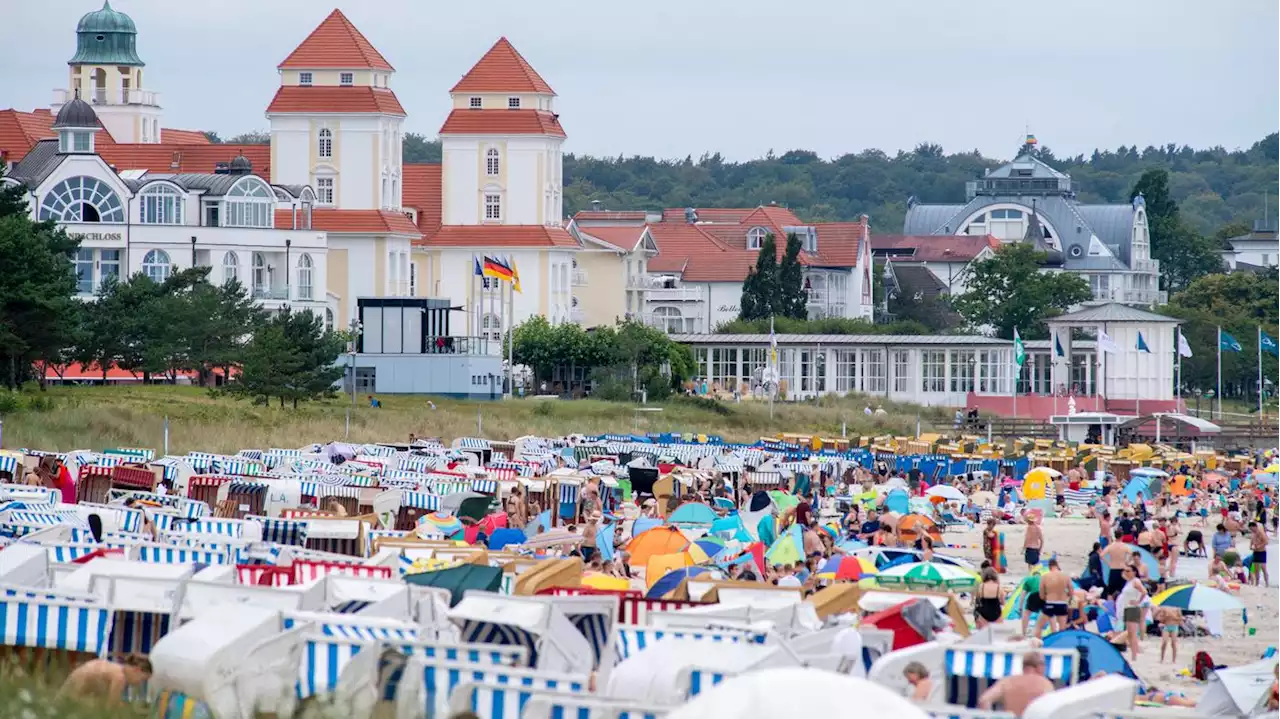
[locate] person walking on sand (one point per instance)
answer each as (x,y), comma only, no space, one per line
(1258,544)
(1129,604)
(1055,589)
(1115,557)
(1169,619)
(1032,543)
(1104,528)
(1015,693)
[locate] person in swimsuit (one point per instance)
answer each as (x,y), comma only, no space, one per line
(104,680)
(1055,589)
(1015,693)
(1170,621)
(1032,543)
(1115,557)
(989,600)
(917,675)
(1258,544)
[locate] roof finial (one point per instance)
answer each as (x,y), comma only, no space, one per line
(77,93)
(106,4)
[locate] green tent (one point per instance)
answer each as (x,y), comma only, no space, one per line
(459,579)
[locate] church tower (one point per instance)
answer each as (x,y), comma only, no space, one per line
(106,72)
(501,145)
(335,123)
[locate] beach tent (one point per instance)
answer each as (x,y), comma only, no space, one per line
(672,670)
(1037,483)
(773,693)
(1135,487)
(196,597)
(898,501)
(458,580)
(1238,691)
(1096,653)
(534,623)
(554,705)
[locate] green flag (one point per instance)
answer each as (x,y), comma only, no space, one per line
(1019,351)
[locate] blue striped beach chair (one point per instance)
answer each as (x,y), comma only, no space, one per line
(969,670)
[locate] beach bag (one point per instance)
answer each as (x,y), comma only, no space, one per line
(1203,666)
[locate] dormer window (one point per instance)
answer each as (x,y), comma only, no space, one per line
(513,103)
(347,79)
(304,78)
(475,103)
(755,237)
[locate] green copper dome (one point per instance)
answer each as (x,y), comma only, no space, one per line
(106,37)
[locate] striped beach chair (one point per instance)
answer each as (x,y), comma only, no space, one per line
(440,678)
(970,670)
(627,640)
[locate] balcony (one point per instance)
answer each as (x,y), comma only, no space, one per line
(579,278)
(676,294)
(1150,267)
(271,293)
(673,324)
(576,316)
(1131,297)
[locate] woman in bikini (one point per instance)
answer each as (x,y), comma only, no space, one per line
(988,601)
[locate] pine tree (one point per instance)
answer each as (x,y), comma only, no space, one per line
(793,302)
(762,294)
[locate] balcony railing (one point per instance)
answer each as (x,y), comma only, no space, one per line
(1131,297)
(461,345)
(579,278)
(673,325)
(1149,266)
(676,294)
(576,316)
(270,293)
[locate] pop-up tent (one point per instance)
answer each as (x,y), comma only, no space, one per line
(1238,691)
(1096,653)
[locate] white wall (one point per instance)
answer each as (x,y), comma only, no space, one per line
(1132,374)
(364,152)
(529,172)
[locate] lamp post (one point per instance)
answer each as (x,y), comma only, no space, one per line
(287,274)
(1198,393)
(193,250)
(357,328)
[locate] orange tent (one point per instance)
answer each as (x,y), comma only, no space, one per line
(914,525)
(659,540)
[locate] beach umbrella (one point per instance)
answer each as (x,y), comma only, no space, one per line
(850,545)
(671,581)
(927,575)
(596,580)
(724,503)
(783,500)
(711,545)
(693,514)
(652,542)
(1273,468)
(946,492)
(1149,559)
(774,693)
(441,522)
(787,549)
(557,537)
(1148,472)
(644,524)
(847,568)
(451,502)
(1196,598)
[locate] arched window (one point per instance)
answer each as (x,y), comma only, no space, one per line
(491,328)
(161,205)
(230,267)
(156,265)
(328,320)
(304,276)
(249,203)
(325,143)
(670,319)
(81,199)
(491,162)
(260,280)
(755,237)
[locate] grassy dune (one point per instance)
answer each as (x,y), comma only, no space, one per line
(66,418)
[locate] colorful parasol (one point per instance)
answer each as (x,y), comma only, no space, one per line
(847,568)
(1197,598)
(652,542)
(442,522)
(927,575)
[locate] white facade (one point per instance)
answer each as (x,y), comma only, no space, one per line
(523,172)
(352,160)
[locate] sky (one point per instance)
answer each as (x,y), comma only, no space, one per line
(671,78)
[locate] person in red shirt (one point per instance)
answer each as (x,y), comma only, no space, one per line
(55,475)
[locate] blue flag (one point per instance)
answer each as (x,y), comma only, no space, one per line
(1227,342)
(1142,344)
(1268,343)
(479,272)
(1057,346)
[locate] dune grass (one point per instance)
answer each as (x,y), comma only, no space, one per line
(65,418)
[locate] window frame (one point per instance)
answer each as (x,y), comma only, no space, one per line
(324,143)
(346,79)
(513,103)
(492,162)
(493,207)
(248,208)
(475,103)
(755,237)
(64,201)
(305,79)
(157,265)
(306,277)
(233,265)
(161,204)
(84,262)
(326,189)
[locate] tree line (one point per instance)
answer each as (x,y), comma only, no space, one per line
(156,330)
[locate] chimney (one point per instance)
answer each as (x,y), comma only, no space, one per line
(595,205)
(690,216)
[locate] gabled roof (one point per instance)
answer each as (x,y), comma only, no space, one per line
(336,99)
(20,131)
(37,164)
(621,238)
(167,158)
(503,69)
(502,122)
(499,236)
(169,136)
(336,44)
(423,191)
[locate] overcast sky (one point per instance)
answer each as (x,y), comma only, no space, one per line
(679,77)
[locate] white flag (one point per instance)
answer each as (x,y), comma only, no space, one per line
(1106,344)
(1184,347)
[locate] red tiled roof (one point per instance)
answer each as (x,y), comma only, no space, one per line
(423,191)
(181,158)
(383,222)
(171,136)
(610,216)
(677,243)
(502,69)
(20,131)
(839,244)
(327,98)
(708,214)
(336,44)
(499,236)
(502,122)
(934,248)
(622,237)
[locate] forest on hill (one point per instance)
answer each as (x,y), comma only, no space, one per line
(1213,187)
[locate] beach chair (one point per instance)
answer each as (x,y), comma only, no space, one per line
(947,520)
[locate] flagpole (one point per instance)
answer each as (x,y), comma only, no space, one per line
(511,344)
(1259,372)
(1219,397)
(773,351)
(1177,348)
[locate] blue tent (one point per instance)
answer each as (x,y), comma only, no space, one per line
(898,501)
(644,524)
(1096,653)
(671,581)
(1136,486)
(693,514)
(502,537)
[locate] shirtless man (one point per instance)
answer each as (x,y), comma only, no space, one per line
(1258,544)
(1055,588)
(1015,693)
(1115,557)
(1032,542)
(1104,528)
(102,679)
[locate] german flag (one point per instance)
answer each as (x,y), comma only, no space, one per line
(494,267)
